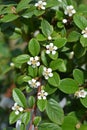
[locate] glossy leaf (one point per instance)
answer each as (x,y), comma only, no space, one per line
(80,21)
(19,97)
(26,117)
(49,126)
(58,65)
(68,86)
(21,59)
(31,101)
(13,117)
(55,80)
(9,18)
(60,42)
(73,36)
(47,29)
(50,89)
(84,101)
(42,104)
(37,120)
(44,58)
(34,47)
(83,41)
(78,76)
(22,5)
(69,123)
(32,71)
(54,112)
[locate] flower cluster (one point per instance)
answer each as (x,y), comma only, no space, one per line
(42,95)
(41,5)
(17,108)
(47,72)
(69,11)
(34,61)
(34,83)
(81,93)
(84,32)
(51,49)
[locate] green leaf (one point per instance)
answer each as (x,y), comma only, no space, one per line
(60,42)
(23,78)
(47,29)
(29,12)
(13,117)
(42,104)
(84,101)
(68,86)
(83,127)
(60,25)
(54,112)
(44,58)
(79,50)
(32,71)
(83,41)
(52,3)
(9,18)
(59,15)
(22,127)
(31,101)
(40,37)
(49,126)
(37,120)
(26,117)
(21,59)
(73,36)
(54,57)
(38,12)
(41,70)
(34,47)
(78,76)
(22,5)
(55,80)
(80,21)
(19,97)
(58,65)
(50,89)
(82,9)
(69,123)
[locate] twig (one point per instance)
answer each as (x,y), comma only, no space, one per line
(34,109)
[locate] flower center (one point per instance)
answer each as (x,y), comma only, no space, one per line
(33,84)
(17,107)
(34,62)
(51,48)
(46,73)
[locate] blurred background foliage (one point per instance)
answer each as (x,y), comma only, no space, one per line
(12,43)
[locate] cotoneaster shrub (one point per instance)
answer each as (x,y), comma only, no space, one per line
(51,74)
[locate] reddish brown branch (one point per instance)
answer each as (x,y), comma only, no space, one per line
(34,109)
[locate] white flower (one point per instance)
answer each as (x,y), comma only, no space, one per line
(51,49)
(42,95)
(47,72)
(12,64)
(41,5)
(64,21)
(17,109)
(33,83)
(84,32)
(49,38)
(34,61)
(69,10)
(81,94)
